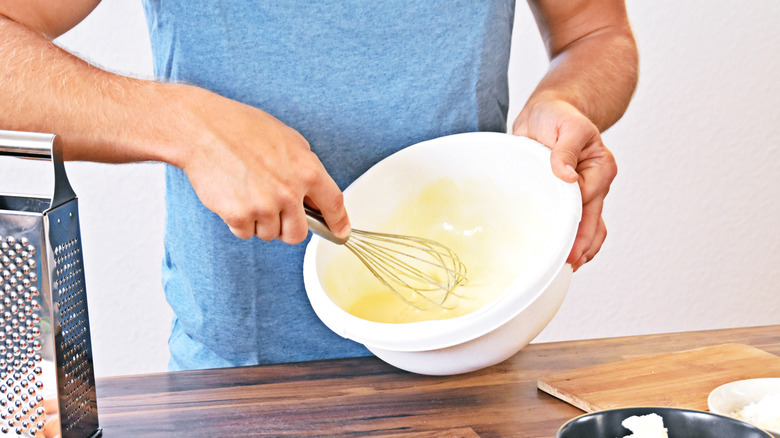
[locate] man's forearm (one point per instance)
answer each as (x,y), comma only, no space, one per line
(594,61)
(99,115)
(597,74)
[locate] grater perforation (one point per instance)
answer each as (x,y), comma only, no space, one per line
(79,408)
(45,351)
(21,408)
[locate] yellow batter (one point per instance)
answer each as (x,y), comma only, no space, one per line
(492,233)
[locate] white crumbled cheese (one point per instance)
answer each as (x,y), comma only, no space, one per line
(764,413)
(645,426)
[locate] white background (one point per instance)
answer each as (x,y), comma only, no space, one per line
(693,216)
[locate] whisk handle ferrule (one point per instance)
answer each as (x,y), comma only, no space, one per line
(318,226)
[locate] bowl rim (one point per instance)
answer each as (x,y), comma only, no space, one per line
(729,386)
(407,336)
(658,408)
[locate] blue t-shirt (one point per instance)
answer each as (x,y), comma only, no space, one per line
(359,80)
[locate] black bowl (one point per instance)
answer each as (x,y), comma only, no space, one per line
(680,423)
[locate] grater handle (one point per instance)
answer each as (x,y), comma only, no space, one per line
(40,146)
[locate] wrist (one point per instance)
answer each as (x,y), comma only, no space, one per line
(541,109)
(542,98)
(159,121)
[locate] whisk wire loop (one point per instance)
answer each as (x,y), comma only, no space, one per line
(412,267)
(393,255)
(416,269)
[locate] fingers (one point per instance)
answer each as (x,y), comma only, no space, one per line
(242,228)
(566,152)
(293,225)
(253,219)
(267,222)
(280,214)
(597,169)
(577,154)
(321,193)
(289,227)
(330,203)
(591,234)
(51,428)
(254,172)
(269,227)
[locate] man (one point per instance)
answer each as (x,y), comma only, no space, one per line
(263,107)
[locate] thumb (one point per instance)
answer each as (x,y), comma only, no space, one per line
(572,137)
(563,167)
(564,157)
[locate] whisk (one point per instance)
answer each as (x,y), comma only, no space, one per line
(411,267)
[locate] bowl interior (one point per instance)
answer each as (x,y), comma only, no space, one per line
(511,170)
(678,422)
(730,397)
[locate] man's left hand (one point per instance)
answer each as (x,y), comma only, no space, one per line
(578,155)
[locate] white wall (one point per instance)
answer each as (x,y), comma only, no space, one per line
(693,217)
(694,214)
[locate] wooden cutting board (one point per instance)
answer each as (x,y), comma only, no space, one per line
(683,379)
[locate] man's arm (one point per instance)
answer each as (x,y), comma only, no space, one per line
(244,164)
(592,76)
(593,56)
(48,18)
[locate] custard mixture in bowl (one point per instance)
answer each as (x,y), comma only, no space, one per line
(491,198)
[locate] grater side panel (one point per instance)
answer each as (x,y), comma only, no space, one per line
(72,339)
(26,351)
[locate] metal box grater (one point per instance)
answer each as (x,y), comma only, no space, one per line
(46,369)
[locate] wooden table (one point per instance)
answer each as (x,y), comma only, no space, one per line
(364,397)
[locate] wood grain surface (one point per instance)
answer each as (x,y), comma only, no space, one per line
(365,397)
(677,380)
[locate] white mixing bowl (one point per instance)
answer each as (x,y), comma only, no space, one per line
(500,328)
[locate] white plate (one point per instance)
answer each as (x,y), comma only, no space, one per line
(733,396)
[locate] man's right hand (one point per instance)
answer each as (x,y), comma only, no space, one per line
(254,171)
(251,169)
